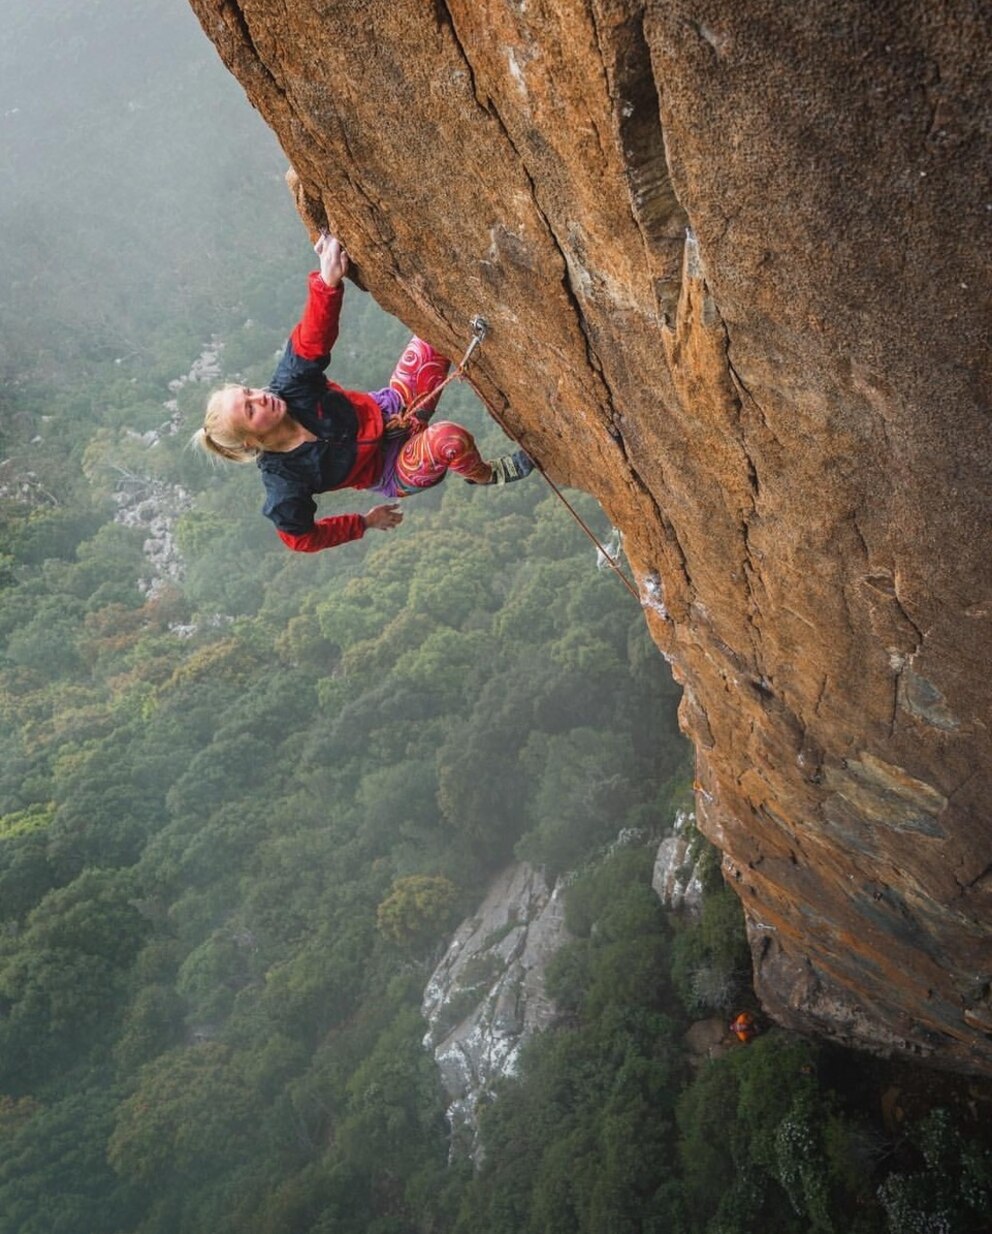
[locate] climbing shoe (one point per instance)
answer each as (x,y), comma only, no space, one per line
(512,467)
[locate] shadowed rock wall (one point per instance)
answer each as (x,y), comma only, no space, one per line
(735,261)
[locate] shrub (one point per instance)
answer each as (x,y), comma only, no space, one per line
(953,1193)
(419,908)
(711,960)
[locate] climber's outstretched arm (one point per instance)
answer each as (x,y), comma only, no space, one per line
(339,528)
(308,352)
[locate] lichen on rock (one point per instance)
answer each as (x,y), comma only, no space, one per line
(487,995)
(676,877)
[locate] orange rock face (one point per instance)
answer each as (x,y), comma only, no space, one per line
(734,257)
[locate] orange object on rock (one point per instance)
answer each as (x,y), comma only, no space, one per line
(743,1027)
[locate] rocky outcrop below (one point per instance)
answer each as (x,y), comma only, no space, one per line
(153,505)
(734,257)
(487,995)
(675,879)
(205,368)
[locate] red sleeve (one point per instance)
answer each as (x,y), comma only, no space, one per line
(317,332)
(325,533)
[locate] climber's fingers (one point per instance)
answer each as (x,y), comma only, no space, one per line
(333,259)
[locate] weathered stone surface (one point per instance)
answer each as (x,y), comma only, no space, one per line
(707,1039)
(487,995)
(675,879)
(786,411)
(151,504)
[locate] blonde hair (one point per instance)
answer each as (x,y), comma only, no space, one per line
(216,437)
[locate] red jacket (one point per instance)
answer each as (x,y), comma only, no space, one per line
(347,424)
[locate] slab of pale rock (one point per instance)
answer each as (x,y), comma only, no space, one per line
(675,878)
(487,995)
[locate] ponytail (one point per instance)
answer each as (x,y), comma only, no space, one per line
(233,454)
(216,439)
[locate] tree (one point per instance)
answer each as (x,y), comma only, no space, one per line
(26,873)
(54,1177)
(62,978)
(190,1116)
(152,1024)
(418,909)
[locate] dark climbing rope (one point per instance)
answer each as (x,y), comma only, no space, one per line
(480,328)
(606,556)
(409,413)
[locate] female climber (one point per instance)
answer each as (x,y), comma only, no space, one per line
(308,435)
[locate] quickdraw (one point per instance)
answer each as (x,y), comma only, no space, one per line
(408,417)
(480,328)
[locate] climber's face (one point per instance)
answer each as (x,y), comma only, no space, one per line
(252,414)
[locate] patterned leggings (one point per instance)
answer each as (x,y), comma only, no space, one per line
(425,458)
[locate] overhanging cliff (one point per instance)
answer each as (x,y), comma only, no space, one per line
(734,257)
